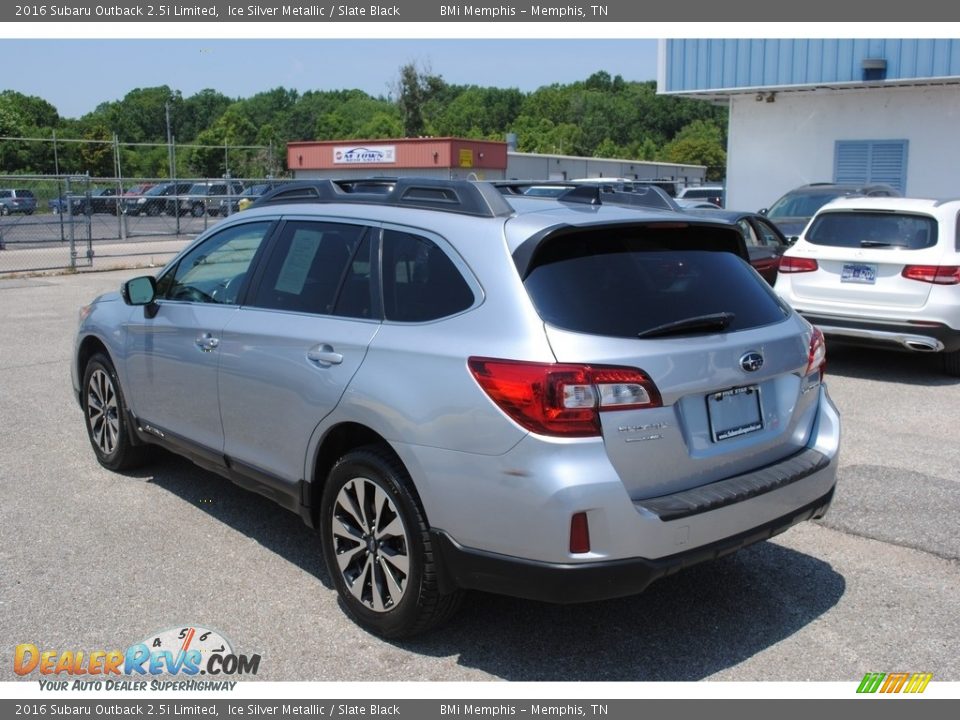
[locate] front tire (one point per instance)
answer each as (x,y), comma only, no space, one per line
(377,547)
(105,413)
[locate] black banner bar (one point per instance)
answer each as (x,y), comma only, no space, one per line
(618,11)
(457,709)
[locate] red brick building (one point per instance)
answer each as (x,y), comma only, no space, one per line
(453,158)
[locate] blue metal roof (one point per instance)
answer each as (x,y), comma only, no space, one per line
(726,65)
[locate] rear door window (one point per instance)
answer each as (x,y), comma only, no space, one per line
(899,231)
(309,265)
(628,285)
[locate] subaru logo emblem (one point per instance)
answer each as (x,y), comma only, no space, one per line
(751,361)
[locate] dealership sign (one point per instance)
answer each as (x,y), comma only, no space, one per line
(364,155)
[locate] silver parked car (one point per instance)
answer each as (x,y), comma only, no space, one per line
(552,399)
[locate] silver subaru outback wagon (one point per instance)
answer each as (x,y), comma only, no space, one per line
(557,399)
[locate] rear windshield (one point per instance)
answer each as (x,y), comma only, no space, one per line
(801,204)
(626,286)
(873,230)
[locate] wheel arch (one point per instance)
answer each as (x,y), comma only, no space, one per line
(89,346)
(339,440)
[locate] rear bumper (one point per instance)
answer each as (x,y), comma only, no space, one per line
(913,336)
(585,582)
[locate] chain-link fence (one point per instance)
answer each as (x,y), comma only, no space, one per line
(65,221)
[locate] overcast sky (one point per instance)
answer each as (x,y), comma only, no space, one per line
(77,75)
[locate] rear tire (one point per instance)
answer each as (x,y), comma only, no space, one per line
(378,549)
(105,413)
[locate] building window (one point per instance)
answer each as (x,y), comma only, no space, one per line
(871,161)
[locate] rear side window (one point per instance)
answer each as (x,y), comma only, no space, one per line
(626,286)
(420,282)
(873,230)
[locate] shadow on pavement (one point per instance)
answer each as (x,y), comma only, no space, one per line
(686,627)
(909,368)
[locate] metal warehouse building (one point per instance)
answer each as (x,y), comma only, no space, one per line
(457,158)
(837,110)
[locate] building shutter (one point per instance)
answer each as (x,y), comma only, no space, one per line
(871,161)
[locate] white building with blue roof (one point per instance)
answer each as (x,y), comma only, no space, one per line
(832,110)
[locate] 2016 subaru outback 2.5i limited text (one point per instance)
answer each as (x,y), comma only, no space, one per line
(554,399)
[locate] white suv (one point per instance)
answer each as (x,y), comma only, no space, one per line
(880,271)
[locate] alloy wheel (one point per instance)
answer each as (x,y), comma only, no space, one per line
(103,414)
(371,544)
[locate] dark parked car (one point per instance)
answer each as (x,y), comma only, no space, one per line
(155,200)
(793,211)
(765,242)
(98,200)
(204,197)
(17,201)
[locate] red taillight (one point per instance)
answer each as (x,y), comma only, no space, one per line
(560,399)
(579,533)
(817,353)
(790,264)
(936,274)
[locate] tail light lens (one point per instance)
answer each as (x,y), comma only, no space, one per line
(790,264)
(562,400)
(817,353)
(935,274)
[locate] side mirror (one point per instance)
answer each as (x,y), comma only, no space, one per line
(792,239)
(762,211)
(139,291)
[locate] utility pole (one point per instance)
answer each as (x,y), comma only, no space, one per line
(170,159)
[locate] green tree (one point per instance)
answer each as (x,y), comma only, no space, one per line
(699,143)
(97,158)
(416,90)
(196,113)
(480,112)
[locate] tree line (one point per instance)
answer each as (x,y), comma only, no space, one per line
(602,116)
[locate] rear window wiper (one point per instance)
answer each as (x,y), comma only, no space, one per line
(701,323)
(881,244)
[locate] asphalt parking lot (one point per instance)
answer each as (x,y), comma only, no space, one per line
(94,560)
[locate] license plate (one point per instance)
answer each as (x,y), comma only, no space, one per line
(734,413)
(859,273)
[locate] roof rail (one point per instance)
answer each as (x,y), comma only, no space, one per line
(455,196)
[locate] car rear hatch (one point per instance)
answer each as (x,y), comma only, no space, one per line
(727,365)
(861,257)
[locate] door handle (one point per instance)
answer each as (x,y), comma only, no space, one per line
(207,342)
(324,355)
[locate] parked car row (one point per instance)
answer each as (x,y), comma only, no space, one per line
(212,198)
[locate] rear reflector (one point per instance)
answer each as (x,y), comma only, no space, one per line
(560,399)
(790,264)
(579,533)
(935,274)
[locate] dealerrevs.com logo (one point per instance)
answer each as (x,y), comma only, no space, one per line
(185,652)
(910,683)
